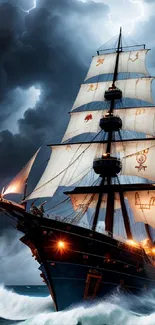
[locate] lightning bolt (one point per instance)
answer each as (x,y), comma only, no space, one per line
(132,21)
(34,6)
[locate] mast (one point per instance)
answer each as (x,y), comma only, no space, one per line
(24,203)
(114,124)
(110,198)
(112,103)
(148,232)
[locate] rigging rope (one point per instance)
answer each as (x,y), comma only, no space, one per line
(67,166)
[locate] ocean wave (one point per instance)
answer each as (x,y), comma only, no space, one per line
(19,307)
(117,309)
(101,314)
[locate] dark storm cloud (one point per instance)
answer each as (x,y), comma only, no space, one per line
(13,253)
(49,48)
(43,48)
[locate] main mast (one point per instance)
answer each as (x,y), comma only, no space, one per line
(109,219)
(110,165)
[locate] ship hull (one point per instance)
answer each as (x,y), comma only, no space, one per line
(89,266)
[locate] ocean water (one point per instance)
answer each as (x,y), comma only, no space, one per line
(32,305)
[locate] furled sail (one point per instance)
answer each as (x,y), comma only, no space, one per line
(142,204)
(17,185)
(133,61)
(68,164)
(131,88)
(85,201)
(140,119)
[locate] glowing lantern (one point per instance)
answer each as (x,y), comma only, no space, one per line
(61,245)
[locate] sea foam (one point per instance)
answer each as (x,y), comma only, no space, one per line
(19,307)
(115,310)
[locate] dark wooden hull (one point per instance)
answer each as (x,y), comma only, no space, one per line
(90,266)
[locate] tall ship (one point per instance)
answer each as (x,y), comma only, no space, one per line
(98,236)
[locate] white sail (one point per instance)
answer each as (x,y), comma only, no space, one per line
(136,119)
(132,62)
(85,201)
(137,159)
(17,185)
(142,204)
(83,122)
(140,119)
(131,88)
(68,164)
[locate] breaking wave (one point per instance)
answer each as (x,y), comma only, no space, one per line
(19,307)
(115,310)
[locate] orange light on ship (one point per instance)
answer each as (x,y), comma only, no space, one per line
(132,243)
(61,245)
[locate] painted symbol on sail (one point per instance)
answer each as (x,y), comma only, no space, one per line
(99,62)
(93,87)
(144,206)
(140,111)
(134,57)
(68,147)
(88,118)
(141,158)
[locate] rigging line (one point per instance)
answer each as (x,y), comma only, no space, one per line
(66,167)
(56,205)
(133,154)
(108,42)
(68,199)
(80,212)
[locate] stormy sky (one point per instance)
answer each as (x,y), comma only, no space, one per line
(44,56)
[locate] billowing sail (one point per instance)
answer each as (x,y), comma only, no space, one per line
(17,185)
(68,164)
(142,204)
(83,122)
(85,201)
(131,88)
(137,159)
(133,61)
(140,119)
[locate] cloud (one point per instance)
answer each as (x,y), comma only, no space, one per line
(22,99)
(48,50)
(13,253)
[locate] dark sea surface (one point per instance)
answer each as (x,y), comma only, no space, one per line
(32,305)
